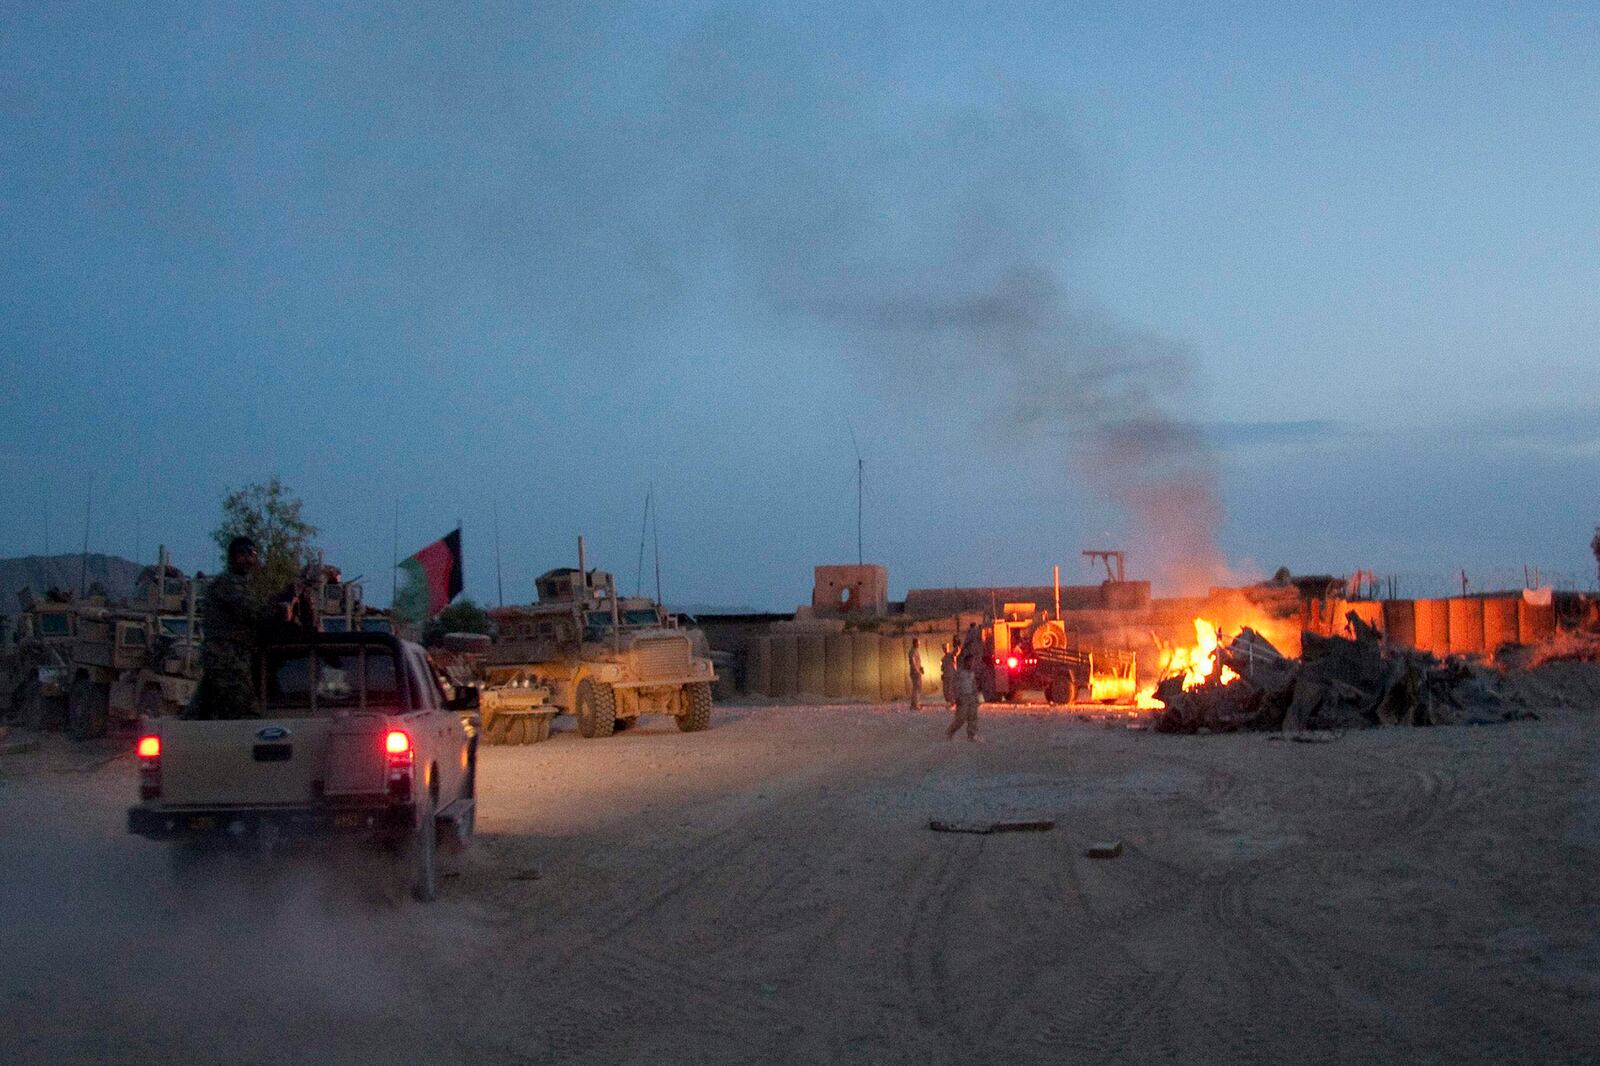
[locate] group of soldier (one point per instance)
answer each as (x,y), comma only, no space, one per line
(964,658)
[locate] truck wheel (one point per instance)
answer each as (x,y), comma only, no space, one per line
(88,706)
(1061,689)
(425,850)
(697,707)
(597,708)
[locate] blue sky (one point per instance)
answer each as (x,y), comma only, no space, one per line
(1256,285)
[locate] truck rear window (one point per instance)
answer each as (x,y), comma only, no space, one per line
(334,679)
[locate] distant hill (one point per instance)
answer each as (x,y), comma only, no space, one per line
(42,572)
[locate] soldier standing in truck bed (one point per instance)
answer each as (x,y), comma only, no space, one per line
(234,617)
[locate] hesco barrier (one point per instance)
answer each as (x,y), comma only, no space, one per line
(852,666)
(1460,625)
(812,649)
(838,666)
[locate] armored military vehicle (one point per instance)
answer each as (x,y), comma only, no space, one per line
(139,659)
(36,669)
(603,658)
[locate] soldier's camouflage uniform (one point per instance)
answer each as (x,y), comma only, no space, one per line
(966,702)
(233,617)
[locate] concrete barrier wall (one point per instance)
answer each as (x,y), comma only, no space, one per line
(758,666)
(1535,623)
(1433,626)
(785,666)
(812,669)
(838,666)
(893,682)
(865,665)
(1466,625)
(1400,622)
(1500,622)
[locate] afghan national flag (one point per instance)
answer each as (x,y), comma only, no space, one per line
(433,578)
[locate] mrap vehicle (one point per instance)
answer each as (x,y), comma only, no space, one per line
(355,739)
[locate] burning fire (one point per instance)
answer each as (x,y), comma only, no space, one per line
(1196,663)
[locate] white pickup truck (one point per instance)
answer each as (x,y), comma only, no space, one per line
(355,737)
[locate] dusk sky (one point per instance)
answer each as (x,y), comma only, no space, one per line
(1235,287)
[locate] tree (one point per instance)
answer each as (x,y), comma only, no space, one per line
(270,515)
(463,616)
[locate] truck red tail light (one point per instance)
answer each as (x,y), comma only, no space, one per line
(149,750)
(1011,662)
(397,750)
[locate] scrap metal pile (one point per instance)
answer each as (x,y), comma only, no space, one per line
(1337,683)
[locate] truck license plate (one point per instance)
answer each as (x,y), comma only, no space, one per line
(203,822)
(346,821)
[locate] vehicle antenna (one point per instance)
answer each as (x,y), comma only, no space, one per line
(83,565)
(499,584)
(860,475)
(644,531)
(394,573)
(655,529)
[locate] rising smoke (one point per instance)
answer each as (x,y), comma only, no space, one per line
(934,228)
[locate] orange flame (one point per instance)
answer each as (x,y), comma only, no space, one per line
(1196,663)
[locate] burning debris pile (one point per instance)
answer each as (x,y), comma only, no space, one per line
(1337,683)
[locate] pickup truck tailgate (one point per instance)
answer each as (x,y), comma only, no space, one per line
(237,763)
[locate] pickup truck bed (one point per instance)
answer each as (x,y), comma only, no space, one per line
(355,739)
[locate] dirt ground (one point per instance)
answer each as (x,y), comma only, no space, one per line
(769,891)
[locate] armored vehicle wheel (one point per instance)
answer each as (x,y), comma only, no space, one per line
(597,708)
(1061,689)
(88,705)
(696,707)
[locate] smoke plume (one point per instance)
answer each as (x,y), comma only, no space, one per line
(936,235)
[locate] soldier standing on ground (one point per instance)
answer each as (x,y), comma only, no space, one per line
(234,615)
(966,700)
(947,676)
(914,664)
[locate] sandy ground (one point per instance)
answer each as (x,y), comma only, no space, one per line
(769,892)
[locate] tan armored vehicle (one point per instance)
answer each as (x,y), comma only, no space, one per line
(139,659)
(602,658)
(37,666)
